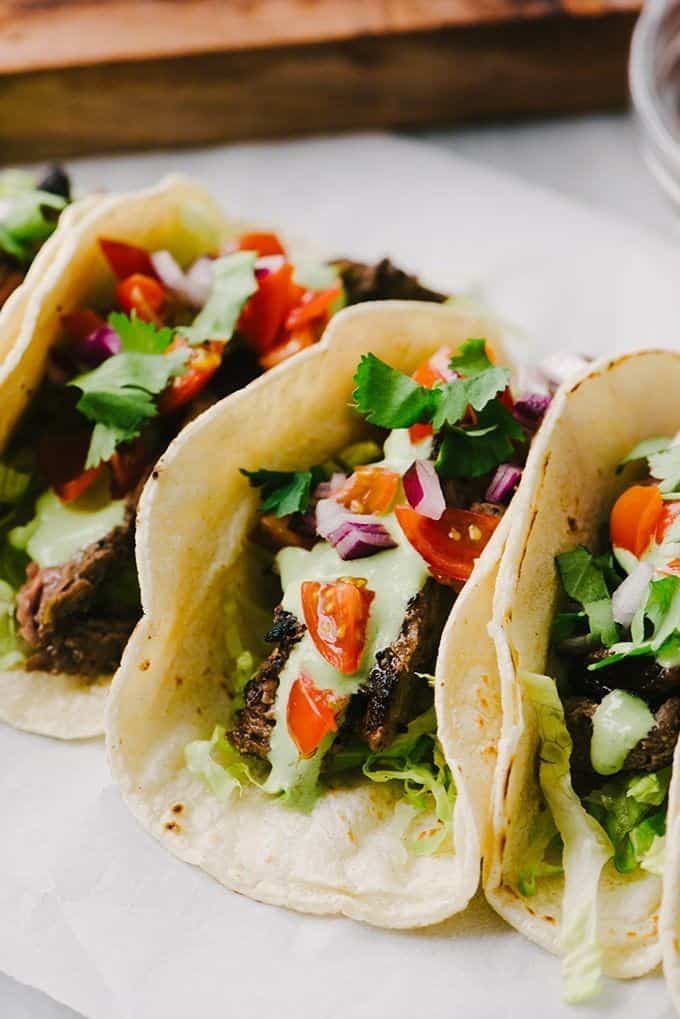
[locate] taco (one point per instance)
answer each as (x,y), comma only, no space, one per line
(587,628)
(284,713)
(29,213)
(153,308)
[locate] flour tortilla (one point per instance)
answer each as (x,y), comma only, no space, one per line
(569,486)
(347,855)
(177,215)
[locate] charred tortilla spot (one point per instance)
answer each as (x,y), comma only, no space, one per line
(172,826)
(144,665)
(178,808)
(571,523)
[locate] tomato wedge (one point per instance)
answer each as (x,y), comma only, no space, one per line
(310,714)
(298,340)
(202,364)
(369,490)
(79,324)
(264,314)
(635,517)
(313,304)
(61,459)
(126,259)
(451,544)
(142,294)
(435,369)
(263,243)
(336,615)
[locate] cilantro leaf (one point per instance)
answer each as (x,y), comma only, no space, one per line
(29,219)
(284,492)
(470,453)
(583,579)
(471,358)
(475,392)
(117,397)
(389,398)
(233,283)
(140,337)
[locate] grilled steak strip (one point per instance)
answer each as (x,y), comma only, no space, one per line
(643,676)
(255,721)
(386,696)
(651,753)
(380,282)
(57,608)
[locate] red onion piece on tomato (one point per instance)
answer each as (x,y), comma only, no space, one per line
(423,489)
(531,407)
(503,483)
(353,535)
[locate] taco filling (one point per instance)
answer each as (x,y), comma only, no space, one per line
(128,373)
(610,720)
(29,212)
(370,551)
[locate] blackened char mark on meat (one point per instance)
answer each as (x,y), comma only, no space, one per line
(254,722)
(386,695)
(643,676)
(653,752)
(381,282)
(57,614)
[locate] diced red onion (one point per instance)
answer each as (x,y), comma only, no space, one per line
(101,344)
(423,489)
(503,484)
(532,406)
(193,286)
(628,596)
(353,535)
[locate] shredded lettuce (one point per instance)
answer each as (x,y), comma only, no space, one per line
(416,759)
(632,810)
(11,653)
(586,845)
(13,484)
(219,765)
(543,856)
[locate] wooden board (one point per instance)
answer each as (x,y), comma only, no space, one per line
(95,75)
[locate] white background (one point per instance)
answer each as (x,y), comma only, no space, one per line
(79,884)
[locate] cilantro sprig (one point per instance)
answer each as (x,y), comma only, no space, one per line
(584,579)
(118,396)
(285,492)
(391,399)
(233,282)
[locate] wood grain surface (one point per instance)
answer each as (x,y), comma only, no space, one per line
(84,76)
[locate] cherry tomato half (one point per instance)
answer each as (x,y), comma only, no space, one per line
(310,714)
(142,294)
(127,259)
(200,367)
(451,544)
(369,490)
(635,517)
(263,243)
(336,615)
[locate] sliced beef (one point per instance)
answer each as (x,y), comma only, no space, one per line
(254,722)
(653,752)
(380,282)
(386,696)
(11,276)
(91,647)
(642,675)
(57,608)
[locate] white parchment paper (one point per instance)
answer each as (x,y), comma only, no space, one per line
(92,911)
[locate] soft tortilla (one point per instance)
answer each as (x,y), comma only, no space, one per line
(346,856)
(177,215)
(568,488)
